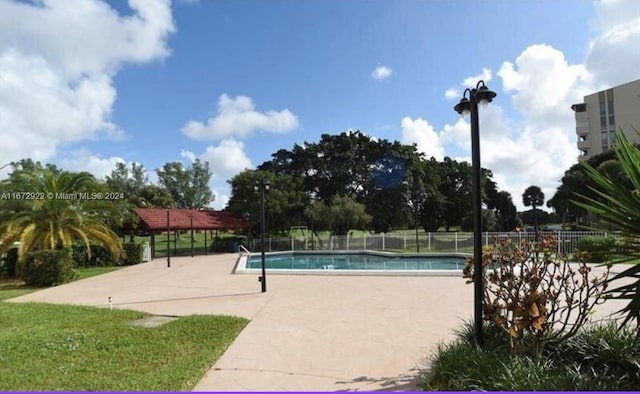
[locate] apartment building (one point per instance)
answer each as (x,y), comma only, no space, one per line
(602,113)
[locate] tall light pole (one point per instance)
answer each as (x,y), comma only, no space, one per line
(480,93)
(262,186)
(168,240)
(191,220)
(415,222)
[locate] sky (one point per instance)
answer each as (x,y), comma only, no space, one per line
(85,84)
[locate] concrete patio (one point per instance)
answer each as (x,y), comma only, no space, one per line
(307,333)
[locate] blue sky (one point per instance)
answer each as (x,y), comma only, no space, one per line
(88,83)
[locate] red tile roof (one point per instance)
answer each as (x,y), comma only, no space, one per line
(155,219)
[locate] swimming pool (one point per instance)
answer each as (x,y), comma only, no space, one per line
(353,263)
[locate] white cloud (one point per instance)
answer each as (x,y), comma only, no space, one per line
(226,159)
(470,82)
(452,94)
(222,197)
(59,62)
(84,160)
(238,118)
(188,155)
(545,84)
(420,132)
(614,54)
(381,73)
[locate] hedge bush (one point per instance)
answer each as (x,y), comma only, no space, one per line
(48,267)
(596,249)
(133,253)
(100,256)
(10,262)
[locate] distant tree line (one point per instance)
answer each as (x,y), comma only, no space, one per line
(352,181)
(178,187)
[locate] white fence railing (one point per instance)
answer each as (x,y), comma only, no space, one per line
(406,241)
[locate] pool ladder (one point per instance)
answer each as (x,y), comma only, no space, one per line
(242,250)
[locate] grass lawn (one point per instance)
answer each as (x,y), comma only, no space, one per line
(88,272)
(72,348)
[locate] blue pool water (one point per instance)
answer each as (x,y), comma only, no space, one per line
(356,261)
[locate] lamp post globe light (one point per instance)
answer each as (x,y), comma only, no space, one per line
(262,186)
(469,105)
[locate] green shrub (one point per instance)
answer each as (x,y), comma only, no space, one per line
(79,255)
(598,358)
(10,262)
(48,267)
(595,250)
(100,256)
(133,253)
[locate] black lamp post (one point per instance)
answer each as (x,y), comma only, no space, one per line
(168,240)
(261,186)
(191,220)
(480,93)
(415,222)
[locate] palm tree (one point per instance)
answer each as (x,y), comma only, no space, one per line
(59,215)
(534,197)
(617,200)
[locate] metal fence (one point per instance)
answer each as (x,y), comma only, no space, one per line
(427,242)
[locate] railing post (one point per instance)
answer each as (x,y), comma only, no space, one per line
(405,241)
(382,241)
(347,240)
(456,243)
(270,244)
(364,246)
(429,240)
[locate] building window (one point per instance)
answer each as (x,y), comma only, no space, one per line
(584,152)
(612,121)
(612,137)
(610,95)
(583,137)
(610,107)
(603,123)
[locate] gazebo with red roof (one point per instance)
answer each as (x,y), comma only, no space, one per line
(156,220)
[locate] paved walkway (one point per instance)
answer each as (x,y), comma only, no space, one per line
(307,333)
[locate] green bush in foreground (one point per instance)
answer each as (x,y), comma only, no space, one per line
(597,358)
(48,267)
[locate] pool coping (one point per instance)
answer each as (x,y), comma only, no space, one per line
(241,264)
